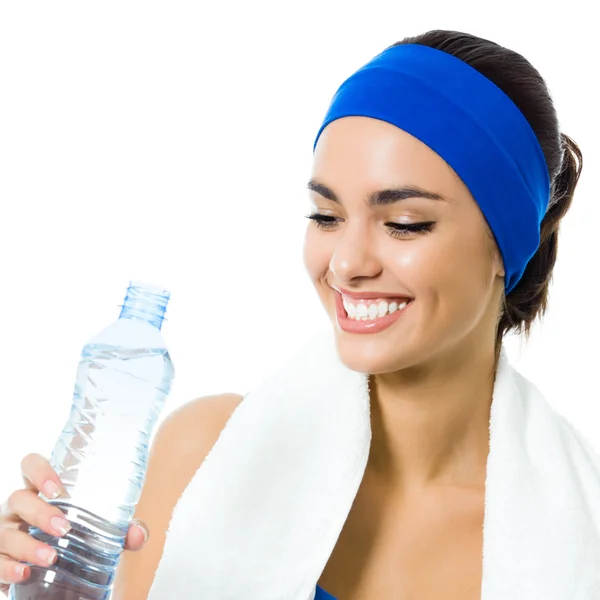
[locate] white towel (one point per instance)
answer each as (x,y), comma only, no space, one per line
(262,515)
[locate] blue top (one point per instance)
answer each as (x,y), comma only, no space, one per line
(323,595)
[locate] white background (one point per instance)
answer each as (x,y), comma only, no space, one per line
(171,142)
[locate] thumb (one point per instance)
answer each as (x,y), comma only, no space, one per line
(137,535)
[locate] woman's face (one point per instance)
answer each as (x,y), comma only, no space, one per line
(451,270)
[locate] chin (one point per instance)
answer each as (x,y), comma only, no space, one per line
(370,356)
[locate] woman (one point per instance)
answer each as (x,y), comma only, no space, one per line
(431,275)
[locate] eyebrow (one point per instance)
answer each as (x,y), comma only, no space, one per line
(379,197)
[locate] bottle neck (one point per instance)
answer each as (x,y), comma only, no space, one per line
(145,302)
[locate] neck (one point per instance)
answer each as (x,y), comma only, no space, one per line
(430,423)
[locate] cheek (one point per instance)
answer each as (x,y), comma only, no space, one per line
(448,267)
(314,255)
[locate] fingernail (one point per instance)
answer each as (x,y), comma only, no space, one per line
(20,570)
(144,530)
(51,490)
(47,555)
(62,526)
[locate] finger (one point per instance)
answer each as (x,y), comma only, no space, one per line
(19,546)
(27,506)
(12,571)
(39,476)
(137,535)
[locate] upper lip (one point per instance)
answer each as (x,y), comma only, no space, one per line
(367,295)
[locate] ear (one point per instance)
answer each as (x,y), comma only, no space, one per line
(494,251)
(499,264)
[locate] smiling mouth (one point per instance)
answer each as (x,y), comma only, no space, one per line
(368,316)
(371,310)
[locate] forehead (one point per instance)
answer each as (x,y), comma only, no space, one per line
(369,152)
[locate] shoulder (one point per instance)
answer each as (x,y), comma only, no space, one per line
(181,444)
(572,453)
(556,428)
(578,443)
(213,407)
(195,426)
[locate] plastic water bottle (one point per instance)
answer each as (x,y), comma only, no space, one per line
(123,380)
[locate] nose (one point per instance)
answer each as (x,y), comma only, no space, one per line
(354,255)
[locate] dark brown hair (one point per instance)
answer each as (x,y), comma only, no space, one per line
(519,80)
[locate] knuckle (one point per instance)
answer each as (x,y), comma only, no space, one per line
(3,541)
(6,571)
(7,542)
(16,546)
(12,502)
(4,511)
(28,460)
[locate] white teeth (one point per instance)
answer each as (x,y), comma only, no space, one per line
(362,312)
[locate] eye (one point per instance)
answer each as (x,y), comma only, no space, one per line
(398,230)
(322,221)
(405,229)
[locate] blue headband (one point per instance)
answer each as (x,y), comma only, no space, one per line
(472,124)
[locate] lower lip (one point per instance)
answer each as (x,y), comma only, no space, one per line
(370,326)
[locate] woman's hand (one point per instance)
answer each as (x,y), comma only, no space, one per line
(23,508)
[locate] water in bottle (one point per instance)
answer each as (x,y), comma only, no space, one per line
(123,380)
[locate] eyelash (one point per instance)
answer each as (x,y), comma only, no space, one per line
(399,230)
